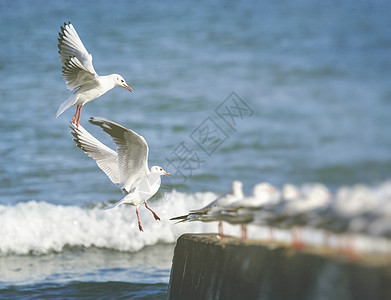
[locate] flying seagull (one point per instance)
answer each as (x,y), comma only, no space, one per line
(127,167)
(79,73)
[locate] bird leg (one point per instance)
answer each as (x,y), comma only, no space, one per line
(78,119)
(326,239)
(244,231)
(296,240)
(271,234)
(154,214)
(350,248)
(220,228)
(139,222)
(74,118)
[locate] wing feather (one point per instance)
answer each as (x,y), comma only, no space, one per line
(76,61)
(75,74)
(105,158)
(132,152)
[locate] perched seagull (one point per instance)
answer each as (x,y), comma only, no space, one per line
(79,73)
(263,194)
(206,214)
(242,211)
(127,167)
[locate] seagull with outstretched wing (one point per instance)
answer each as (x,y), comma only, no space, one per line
(127,167)
(79,73)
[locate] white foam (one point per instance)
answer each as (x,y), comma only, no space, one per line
(40,227)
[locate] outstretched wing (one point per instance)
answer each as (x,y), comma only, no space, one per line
(105,158)
(132,150)
(77,62)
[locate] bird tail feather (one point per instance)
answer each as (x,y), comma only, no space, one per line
(66,104)
(180,219)
(115,204)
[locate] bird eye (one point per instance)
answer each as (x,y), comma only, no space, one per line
(122,80)
(161,169)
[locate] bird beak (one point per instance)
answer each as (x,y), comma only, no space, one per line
(128,88)
(167,173)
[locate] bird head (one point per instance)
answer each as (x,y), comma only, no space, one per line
(120,81)
(237,189)
(159,170)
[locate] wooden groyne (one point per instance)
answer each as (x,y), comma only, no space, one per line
(206,266)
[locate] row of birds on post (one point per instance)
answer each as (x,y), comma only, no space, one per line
(348,211)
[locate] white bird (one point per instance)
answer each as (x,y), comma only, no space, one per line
(243,211)
(206,214)
(127,167)
(263,194)
(79,73)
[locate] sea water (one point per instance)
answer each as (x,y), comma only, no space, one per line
(222,90)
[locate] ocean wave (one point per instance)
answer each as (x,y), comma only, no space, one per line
(36,227)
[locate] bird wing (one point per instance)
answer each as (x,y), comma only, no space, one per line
(208,207)
(132,150)
(105,158)
(77,62)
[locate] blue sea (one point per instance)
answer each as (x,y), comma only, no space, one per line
(283,92)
